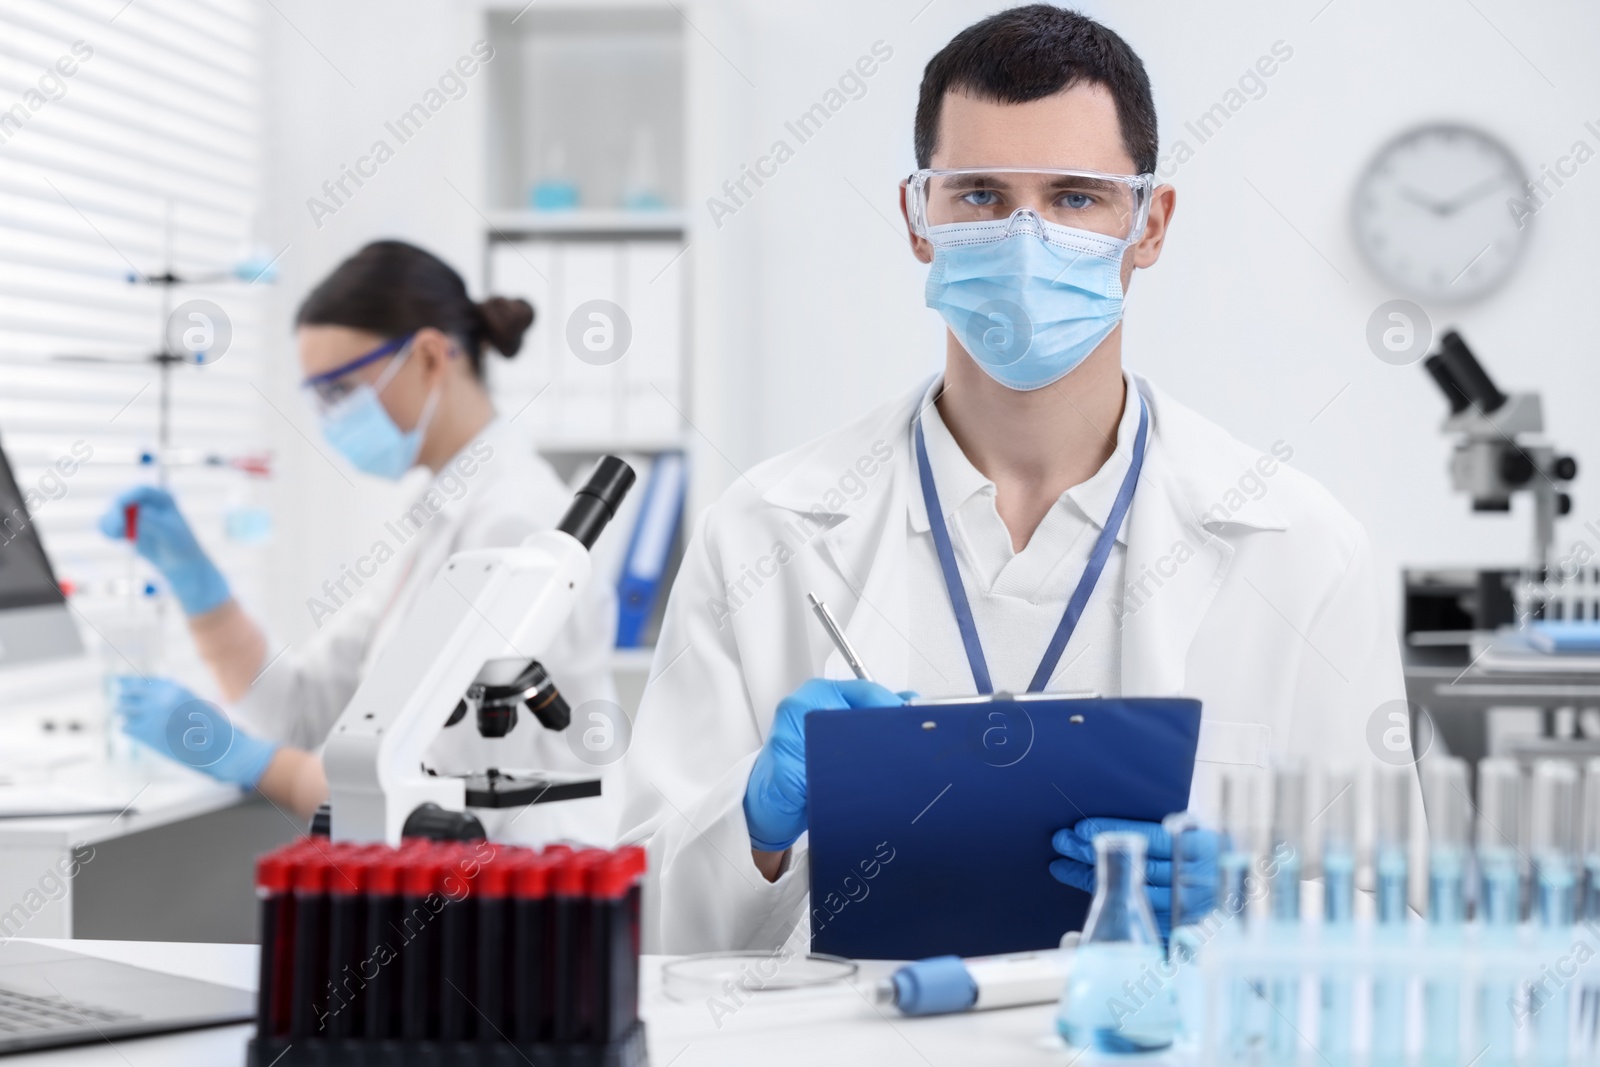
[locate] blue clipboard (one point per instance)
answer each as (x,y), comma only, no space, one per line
(930,823)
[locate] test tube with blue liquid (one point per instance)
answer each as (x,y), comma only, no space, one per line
(1446,803)
(1287,842)
(1553,827)
(1589,995)
(1392,818)
(1244,996)
(1499,906)
(1337,819)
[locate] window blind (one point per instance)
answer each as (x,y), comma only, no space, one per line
(128,150)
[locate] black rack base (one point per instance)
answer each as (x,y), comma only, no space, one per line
(627,1051)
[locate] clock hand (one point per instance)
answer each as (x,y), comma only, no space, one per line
(1407,193)
(1456,203)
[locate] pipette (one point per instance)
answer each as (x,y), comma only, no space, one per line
(1444,791)
(950,984)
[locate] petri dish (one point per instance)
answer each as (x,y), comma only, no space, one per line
(693,978)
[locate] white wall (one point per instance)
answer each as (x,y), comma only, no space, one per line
(336,72)
(809,306)
(1243,319)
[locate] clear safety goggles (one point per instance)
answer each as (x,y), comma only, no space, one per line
(330,387)
(1112,205)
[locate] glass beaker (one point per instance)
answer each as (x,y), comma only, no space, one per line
(1119,997)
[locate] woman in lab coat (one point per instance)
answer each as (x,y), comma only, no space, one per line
(392,351)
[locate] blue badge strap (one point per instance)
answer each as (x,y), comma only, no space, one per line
(952,576)
(1097,559)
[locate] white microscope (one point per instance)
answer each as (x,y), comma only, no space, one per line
(472,643)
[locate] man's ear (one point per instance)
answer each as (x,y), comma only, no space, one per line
(919,245)
(1163,202)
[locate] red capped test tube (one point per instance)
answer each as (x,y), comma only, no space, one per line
(610,947)
(493,978)
(307,1006)
(347,934)
(419,907)
(275,988)
(456,941)
(382,1017)
(571,926)
(533,976)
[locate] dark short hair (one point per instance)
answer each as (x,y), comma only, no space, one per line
(1027,53)
(391,288)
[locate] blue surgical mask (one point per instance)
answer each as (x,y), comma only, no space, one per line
(360,429)
(1028,299)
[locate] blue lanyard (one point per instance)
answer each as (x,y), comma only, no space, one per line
(1080,596)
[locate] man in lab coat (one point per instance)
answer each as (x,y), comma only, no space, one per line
(1196,565)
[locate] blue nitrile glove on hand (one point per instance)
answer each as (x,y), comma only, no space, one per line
(775,798)
(1197,894)
(164,538)
(162,714)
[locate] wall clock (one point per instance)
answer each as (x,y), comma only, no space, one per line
(1433,212)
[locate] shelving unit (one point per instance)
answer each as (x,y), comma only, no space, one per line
(586,109)
(595,223)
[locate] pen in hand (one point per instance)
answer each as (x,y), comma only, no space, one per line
(838,638)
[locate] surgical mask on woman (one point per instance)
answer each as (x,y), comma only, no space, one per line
(356,424)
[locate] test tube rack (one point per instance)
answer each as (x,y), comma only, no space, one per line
(448,954)
(1482,996)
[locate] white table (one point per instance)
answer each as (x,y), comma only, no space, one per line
(837,1031)
(130,798)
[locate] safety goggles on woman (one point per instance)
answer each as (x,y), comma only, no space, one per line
(332,386)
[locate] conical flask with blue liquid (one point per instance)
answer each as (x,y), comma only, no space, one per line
(1119,999)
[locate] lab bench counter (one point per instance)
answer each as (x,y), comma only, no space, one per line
(835,1030)
(165,855)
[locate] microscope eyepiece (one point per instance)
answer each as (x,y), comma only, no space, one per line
(596,503)
(1470,377)
(1439,371)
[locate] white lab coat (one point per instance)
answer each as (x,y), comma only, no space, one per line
(1253,591)
(495,493)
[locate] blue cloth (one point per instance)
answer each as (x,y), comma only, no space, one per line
(775,796)
(165,539)
(1198,869)
(167,717)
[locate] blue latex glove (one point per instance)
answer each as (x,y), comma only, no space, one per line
(1196,894)
(162,714)
(164,538)
(775,798)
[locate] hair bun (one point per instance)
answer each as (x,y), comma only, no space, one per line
(505,320)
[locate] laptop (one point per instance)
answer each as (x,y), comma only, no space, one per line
(35,622)
(50,997)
